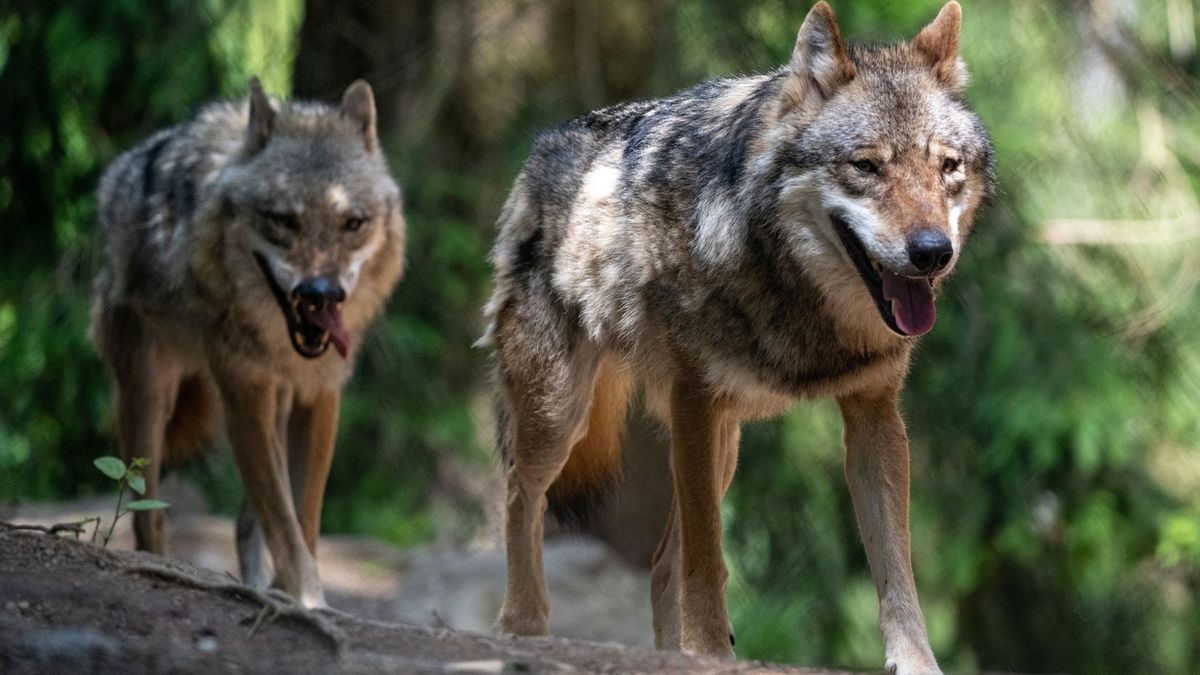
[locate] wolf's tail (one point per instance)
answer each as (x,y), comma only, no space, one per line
(593,468)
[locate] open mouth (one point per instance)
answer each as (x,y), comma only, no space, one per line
(905,303)
(311,327)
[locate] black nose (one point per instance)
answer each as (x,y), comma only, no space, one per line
(319,292)
(930,250)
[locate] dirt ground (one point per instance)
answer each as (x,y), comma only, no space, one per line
(68,606)
(456,585)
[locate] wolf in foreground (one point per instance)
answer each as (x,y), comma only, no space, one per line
(239,247)
(730,249)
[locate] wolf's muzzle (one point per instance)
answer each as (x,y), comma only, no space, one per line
(311,311)
(906,304)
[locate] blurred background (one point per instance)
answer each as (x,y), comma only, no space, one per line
(1052,410)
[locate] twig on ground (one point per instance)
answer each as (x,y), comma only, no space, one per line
(76,528)
(274,605)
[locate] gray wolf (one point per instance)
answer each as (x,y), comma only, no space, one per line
(728,250)
(240,246)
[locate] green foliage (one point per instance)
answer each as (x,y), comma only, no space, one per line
(112,467)
(129,478)
(254,38)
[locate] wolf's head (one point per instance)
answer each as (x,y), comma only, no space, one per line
(884,159)
(310,202)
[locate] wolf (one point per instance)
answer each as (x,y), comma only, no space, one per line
(729,250)
(238,247)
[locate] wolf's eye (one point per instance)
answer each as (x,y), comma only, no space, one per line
(354,224)
(865,166)
(950,165)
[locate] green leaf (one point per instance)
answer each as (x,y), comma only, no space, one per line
(111,467)
(137,482)
(146,505)
(139,463)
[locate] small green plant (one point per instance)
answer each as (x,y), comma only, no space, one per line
(129,478)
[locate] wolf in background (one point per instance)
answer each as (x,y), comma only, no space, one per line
(731,249)
(240,246)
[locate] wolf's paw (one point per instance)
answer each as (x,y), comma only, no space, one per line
(719,646)
(311,595)
(529,626)
(725,653)
(313,599)
(912,665)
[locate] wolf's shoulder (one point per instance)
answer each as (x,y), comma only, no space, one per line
(161,181)
(218,124)
(632,121)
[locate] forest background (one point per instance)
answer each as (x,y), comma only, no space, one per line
(1053,409)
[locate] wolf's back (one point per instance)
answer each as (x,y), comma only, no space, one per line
(149,197)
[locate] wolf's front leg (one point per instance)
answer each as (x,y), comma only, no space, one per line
(251,410)
(698,462)
(877,471)
(664,584)
(312,433)
(667,562)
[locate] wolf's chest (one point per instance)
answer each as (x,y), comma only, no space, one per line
(787,345)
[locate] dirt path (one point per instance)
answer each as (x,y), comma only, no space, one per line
(72,607)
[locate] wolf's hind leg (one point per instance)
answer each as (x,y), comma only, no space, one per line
(148,377)
(877,471)
(547,393)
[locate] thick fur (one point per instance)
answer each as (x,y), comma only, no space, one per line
(186,318)
(691,242)
(594,465)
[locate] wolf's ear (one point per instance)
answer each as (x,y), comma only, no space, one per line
(938,44)
(358,106)
(820,63)
(262,118)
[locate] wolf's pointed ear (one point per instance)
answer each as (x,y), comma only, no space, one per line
(938,44)
(820,63)
(262,118)
(358,106)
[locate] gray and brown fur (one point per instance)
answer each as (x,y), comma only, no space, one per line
(185,316)
(686,246)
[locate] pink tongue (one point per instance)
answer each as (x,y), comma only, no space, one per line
(330,319)
(912,302)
